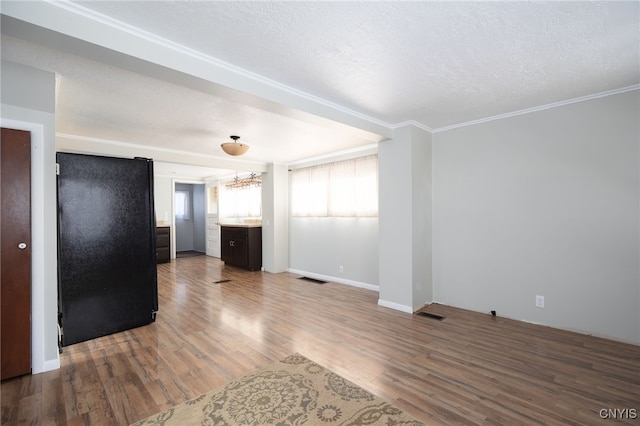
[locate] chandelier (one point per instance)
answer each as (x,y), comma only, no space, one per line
(238,183)
(234,148)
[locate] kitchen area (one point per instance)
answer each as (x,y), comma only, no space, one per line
(221,219)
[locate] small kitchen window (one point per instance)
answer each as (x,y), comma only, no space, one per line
(240,202)
(183,205)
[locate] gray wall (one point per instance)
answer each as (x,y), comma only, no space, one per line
(395,191)
(320,245)
(405,219)
(199,219)
(191,233)
(184,228)
(547,204)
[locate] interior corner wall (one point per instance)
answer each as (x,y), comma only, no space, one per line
(422,283)
(545,203)
(405,219)
(395,216)
(275,218)
(28,103)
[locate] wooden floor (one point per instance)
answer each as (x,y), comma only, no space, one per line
(469,368)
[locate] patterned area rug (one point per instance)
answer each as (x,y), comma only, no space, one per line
(293,391)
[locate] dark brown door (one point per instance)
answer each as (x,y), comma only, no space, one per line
(15,228)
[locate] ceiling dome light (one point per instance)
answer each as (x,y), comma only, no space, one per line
(234,148)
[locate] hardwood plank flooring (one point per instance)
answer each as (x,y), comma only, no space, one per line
(469,368)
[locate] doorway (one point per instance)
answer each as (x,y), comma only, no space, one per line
(190,219)
(15,321)
(213,225)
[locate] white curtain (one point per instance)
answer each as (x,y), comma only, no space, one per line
(345,189)
(240,202)
(183,205)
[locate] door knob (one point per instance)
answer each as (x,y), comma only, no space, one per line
(22,246)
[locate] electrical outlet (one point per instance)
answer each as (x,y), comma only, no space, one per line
(539,301)
(341,269)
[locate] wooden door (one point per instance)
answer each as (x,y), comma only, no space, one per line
(15,228)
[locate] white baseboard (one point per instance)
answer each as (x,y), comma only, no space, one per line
(396,306)
(52,364)
(334,279)
(47,365)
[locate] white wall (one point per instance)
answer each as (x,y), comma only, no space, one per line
(28,103)
(545,203)
(163,196)
(275,218)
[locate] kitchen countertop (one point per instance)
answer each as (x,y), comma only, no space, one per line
(242,225)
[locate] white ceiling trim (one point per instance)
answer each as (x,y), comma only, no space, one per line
(75,143)
(73,20)
(412,123)
(168,44)
(183,179)
(336,156)
(541,108)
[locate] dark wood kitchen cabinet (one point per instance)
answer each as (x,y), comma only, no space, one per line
(163,244)
(242,246)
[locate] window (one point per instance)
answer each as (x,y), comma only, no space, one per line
(240,202)
(183,205)
(343,189)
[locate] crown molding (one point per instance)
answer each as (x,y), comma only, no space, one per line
(184,50)
(335,156)
(541,107)
(412,123)
(381,125)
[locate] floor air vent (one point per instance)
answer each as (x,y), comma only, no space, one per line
(430,315)
(312,280)
(221,281)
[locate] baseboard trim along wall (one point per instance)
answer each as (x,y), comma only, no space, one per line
(49,365)
(396,306)
(334,279)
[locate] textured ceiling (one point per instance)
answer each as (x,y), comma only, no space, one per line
(436,64)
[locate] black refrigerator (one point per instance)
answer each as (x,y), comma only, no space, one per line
(107,279)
